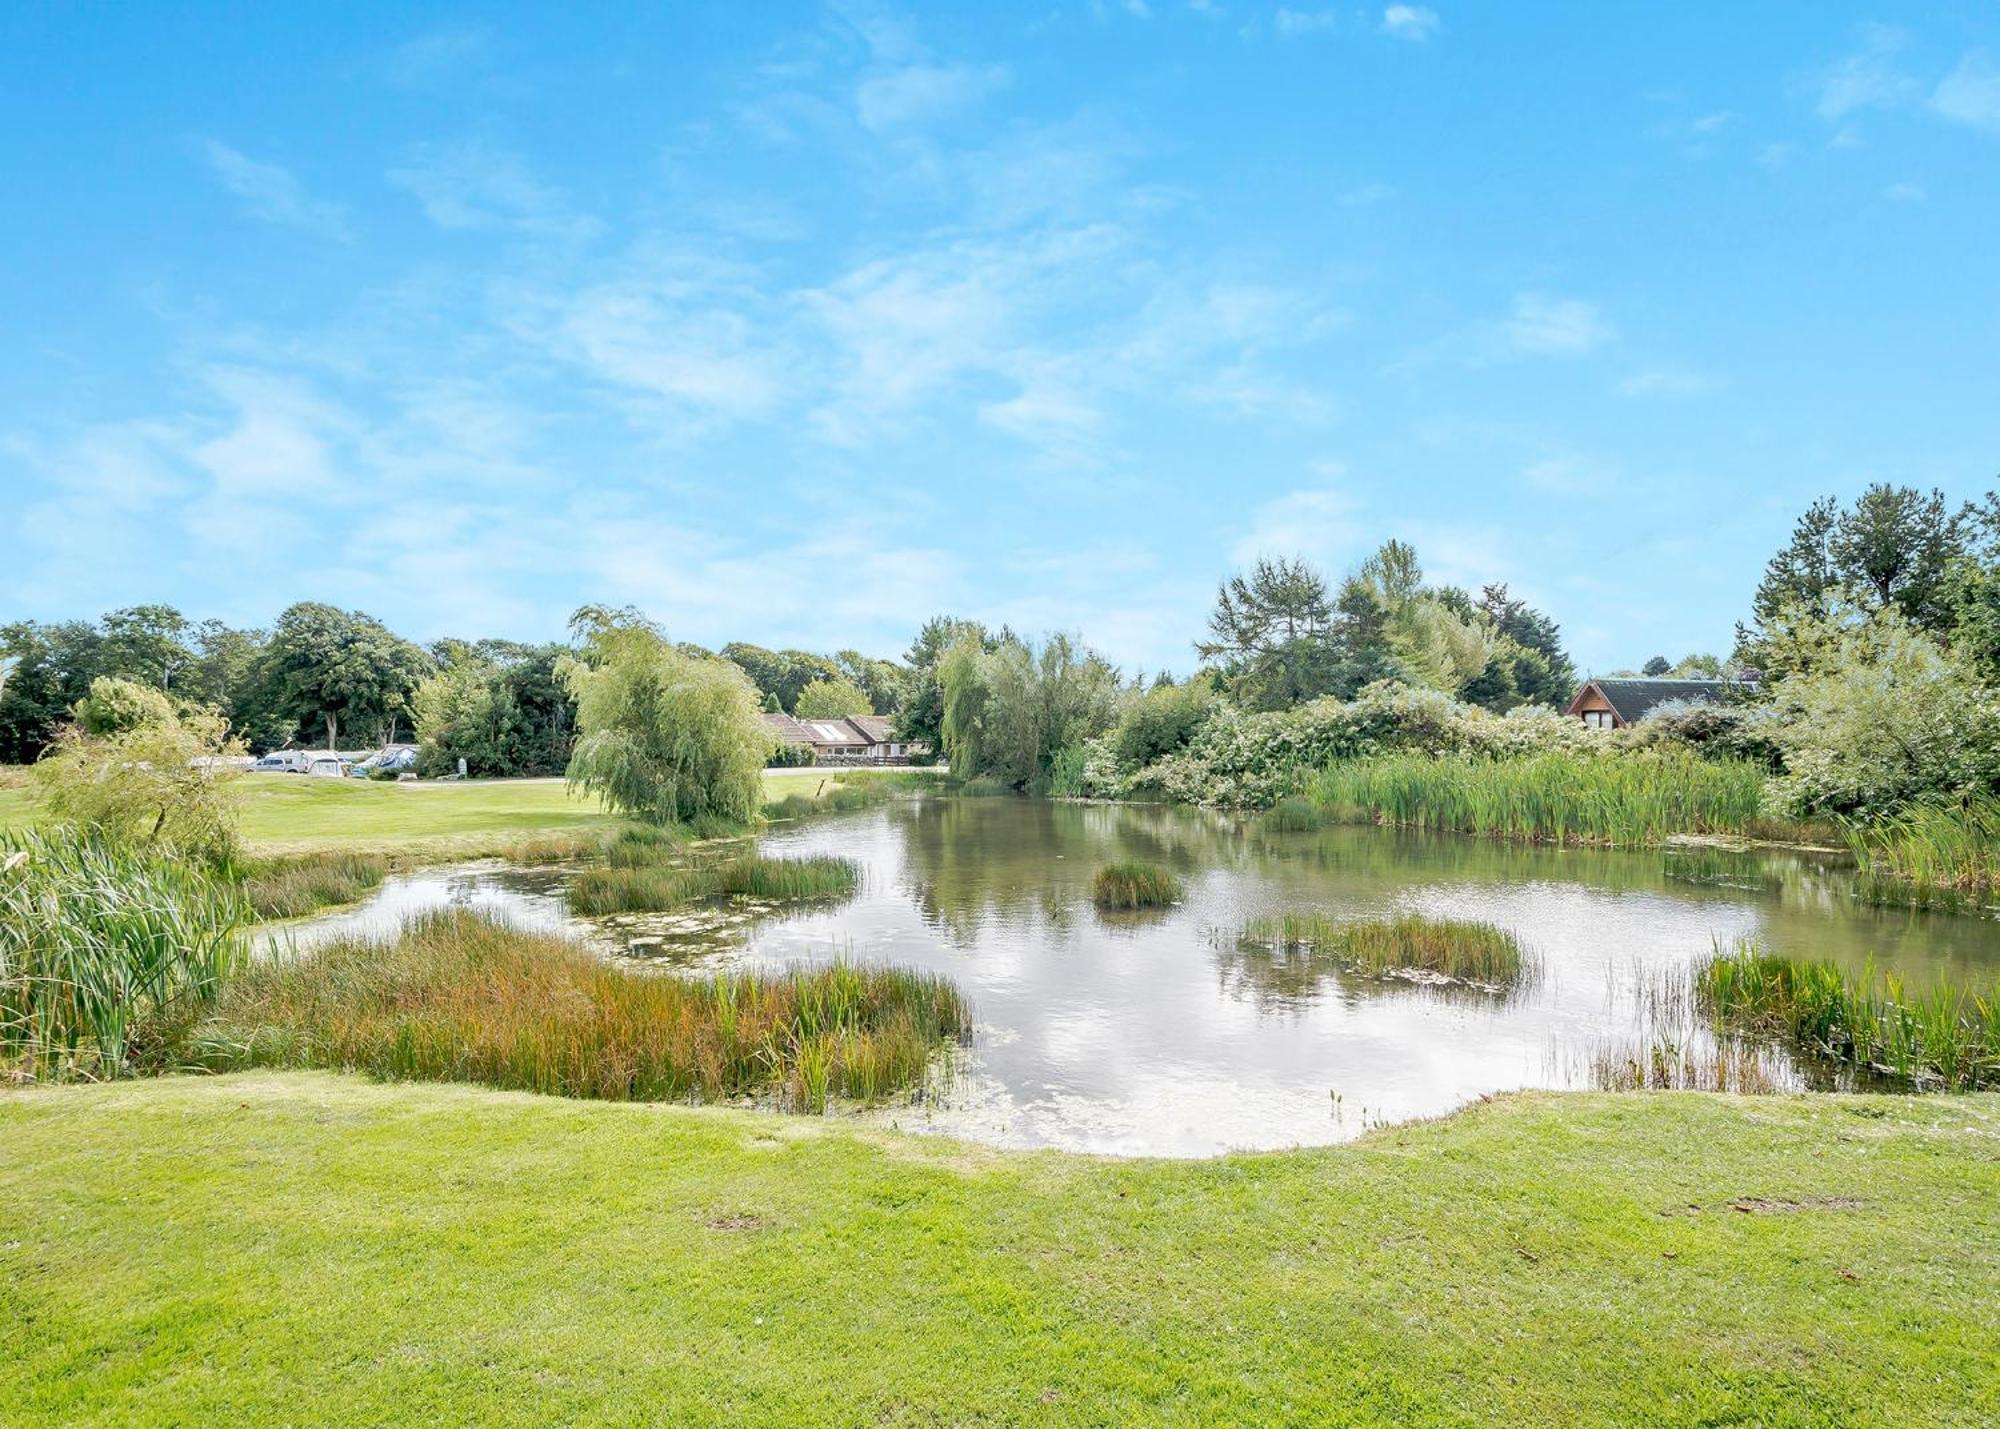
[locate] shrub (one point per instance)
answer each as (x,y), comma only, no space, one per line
(157,784)
(107,952)
(1161,722)
(1135,885)
(457,998)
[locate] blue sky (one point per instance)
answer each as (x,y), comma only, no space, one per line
(796,323)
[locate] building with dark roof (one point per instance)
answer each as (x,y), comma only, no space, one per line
(853,739)
(1619,704)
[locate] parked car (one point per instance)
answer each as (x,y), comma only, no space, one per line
(284,761)
(390,759)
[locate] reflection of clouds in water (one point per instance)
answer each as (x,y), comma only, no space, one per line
(1160,1035)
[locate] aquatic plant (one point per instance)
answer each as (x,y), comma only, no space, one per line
(1294,816)
(1943,856)
(1460,949)
(1133,885)
(106,952)
(1556,797)
(1945,1036)
(1719,868)
(294,886)
(654,886)
(1662,1064)
(455,997)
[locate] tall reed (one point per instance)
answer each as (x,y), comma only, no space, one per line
(1944,1036)
(457,998)
(655,887)
(1930,855)
(1459,949)
(295,886)
(1133,885)
(1556,798)
(106,953)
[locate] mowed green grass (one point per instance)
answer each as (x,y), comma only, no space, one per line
(283,813)
(290,1248)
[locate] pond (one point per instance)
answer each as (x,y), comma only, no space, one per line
(1160,1034)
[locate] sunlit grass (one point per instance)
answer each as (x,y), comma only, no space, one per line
(644,886)
(1133,885)
(305,883)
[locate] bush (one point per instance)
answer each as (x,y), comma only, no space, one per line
(156,785)
(1161,722)
(107,952)
(116,706)
(793,756)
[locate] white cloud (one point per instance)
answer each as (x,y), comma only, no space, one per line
(1320,523)
(274,194)
(1543,326)
(1293,23)
(438,56)
(470,186)
(922,93)
(1410,22)
(1970,94)
(1869,78)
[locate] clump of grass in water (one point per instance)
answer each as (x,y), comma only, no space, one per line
(457,998)
(1718,868)
(1134,885)
(1945,1037)
(1296,816)
(106,953)
(294,887)
(1664,1065)
(1461,950)
(1556,798)
(654,887)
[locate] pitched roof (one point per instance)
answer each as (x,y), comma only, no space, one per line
(829,733)
(1634,699)
(875,726)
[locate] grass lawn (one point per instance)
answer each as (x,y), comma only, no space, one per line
(289,814)
(279,1249)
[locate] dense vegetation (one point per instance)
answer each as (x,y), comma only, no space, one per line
(456,998)
(1132,885)
(1453,949)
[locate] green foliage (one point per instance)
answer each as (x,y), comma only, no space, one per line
(1879,716)
(157,784)
(1160,722)
(326,668)
(1270,631)
(504,720)
(298,884)
(1457,949)
(1133,885)
(106,952)
(1636,798)
(832,699)
(1946,1037)
(664,736)
(780,673)
(637,881)
(1009,712)
(456,998)
(116,706)
(920,706)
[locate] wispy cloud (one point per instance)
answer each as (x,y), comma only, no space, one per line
(1545,326)
(1321,523)
(272,193)
(438,56)
(1666,382)
(1871,77)
(1970,94)
(1410,22)
(472,186)
(1290,24)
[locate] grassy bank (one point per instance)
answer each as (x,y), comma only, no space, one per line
(455,998)
(1555,798)
(289,1248)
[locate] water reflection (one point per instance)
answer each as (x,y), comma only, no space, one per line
(1163,1034)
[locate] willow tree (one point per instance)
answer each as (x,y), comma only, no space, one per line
(664,735)
(1010,711)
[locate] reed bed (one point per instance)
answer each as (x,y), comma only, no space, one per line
(654,887)
(1944,1036)
(1295,815)
(107,954)
(293,887)
(1133,885)
(1930,855)
(1456,949)
(1553,798)
(1719,868)
(455,997)
(1670,1065)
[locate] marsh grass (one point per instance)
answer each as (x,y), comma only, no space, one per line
(292,887)
(455,997)
(1553,798)
(106,953)
(1719,868)
(1942,857)
(654,887)
(1944,1036)
(1133,885)
(1295,815)
(1661,1064)
(1456,949)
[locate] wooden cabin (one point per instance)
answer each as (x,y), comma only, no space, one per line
(1620,704)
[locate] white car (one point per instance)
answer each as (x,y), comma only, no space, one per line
(284,761)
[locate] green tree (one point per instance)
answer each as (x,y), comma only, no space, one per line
(1010,712)
(1270,631)
(53,668)
(1655,667)
(663,736)
(115,706)
(882,679)
(151,644)
(833,699)
(1161,722)
(920,707)
(326,668)
(159,781)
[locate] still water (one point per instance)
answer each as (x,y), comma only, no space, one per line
(1159,1034)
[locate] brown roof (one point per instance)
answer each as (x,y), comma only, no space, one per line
(864,730)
